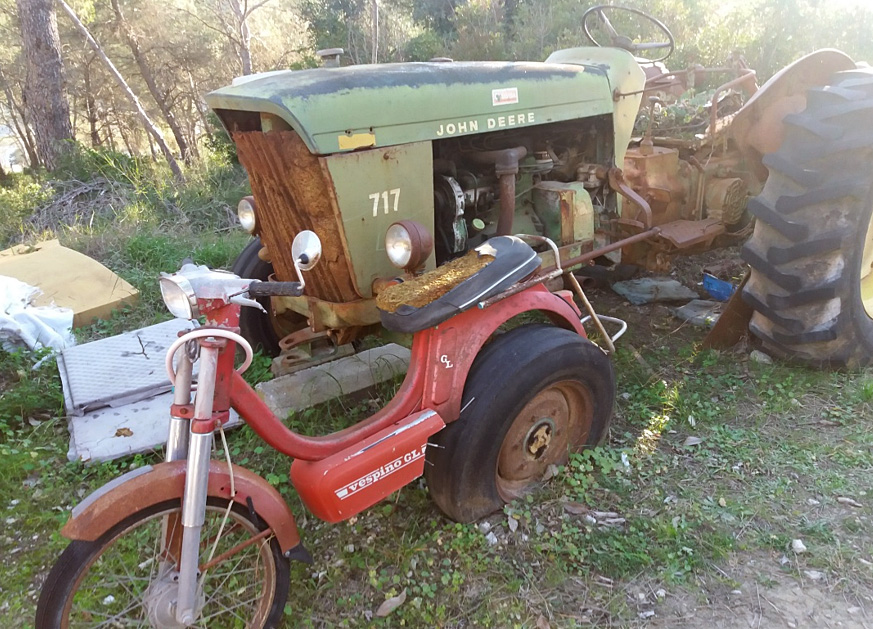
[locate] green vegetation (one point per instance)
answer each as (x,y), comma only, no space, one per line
(714,465)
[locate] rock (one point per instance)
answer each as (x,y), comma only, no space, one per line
(758,356)
(651,290)
(491,538)
(699,312)
(798,546)
(390,604)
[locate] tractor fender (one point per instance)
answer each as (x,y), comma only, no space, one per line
(758,125)
(153,484)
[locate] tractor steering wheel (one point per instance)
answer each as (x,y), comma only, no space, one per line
(622,41)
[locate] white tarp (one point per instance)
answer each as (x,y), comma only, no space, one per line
(24,325)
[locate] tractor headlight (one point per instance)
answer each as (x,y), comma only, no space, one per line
(179,297)
(408,244)
(245,211)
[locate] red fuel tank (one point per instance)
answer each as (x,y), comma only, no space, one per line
(343,485)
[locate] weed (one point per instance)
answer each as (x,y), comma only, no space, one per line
(30,390)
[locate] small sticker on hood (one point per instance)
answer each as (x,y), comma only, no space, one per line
(504,96)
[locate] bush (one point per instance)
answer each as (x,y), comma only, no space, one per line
(18,201)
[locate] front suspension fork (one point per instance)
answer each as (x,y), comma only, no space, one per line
(196,481)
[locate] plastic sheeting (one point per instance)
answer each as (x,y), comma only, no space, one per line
(24,325)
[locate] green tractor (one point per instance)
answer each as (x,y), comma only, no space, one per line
(378,159)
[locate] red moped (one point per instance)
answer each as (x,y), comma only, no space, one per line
(199,541)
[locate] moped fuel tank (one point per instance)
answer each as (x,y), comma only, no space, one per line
(343,485)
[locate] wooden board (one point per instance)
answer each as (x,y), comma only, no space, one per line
(68,279)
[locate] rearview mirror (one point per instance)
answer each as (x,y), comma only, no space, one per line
(306,250)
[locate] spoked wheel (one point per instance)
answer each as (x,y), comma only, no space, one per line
(127,578)
(533,395)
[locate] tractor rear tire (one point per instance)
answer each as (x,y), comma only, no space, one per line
(811,285)
(533,395)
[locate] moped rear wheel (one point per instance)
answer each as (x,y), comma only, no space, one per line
(124,579)
(533,395)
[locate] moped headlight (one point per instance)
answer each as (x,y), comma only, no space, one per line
(245,211)
(179,297)
(408,244)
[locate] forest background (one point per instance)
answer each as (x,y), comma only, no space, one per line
(171,53)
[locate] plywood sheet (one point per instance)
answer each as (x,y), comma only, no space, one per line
(69,279)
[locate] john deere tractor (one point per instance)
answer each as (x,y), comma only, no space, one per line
(377,159)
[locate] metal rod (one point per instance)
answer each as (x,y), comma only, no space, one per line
(591,255)
(193,517)
(606,338)
(517,288)
(177,434)
(196,485)
(239,547)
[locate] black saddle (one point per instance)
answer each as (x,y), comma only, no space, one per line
(513,261)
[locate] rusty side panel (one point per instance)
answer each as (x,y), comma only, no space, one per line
(292,194)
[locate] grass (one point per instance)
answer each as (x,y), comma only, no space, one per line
(714,466)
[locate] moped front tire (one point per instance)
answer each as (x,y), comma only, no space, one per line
(533,395)
(115,578)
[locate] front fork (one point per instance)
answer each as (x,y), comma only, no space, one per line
(195,443)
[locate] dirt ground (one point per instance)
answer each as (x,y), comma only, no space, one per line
(754,591)
(792,601)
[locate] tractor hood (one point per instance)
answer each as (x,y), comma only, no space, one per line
(342,109)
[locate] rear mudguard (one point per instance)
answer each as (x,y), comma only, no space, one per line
(153,484)
(757,128)
(446,352)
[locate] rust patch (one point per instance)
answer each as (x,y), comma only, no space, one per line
(292,194)
(432,285)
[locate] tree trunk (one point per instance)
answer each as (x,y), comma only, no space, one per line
(44,88)
(90,104)
(241,13)
(150,81)
(19,121)
(144,117)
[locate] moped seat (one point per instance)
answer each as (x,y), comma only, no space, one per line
(452,288)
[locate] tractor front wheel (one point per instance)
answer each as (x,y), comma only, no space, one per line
(533,395)
(811,255)
(263,331)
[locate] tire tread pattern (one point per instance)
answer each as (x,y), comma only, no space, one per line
(813,217)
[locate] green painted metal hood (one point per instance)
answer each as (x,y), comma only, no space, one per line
(341,109)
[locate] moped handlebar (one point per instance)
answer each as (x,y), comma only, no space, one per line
(275,289)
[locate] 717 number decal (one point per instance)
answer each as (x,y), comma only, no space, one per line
(394,193)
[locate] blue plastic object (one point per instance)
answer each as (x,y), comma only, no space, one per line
(718,289)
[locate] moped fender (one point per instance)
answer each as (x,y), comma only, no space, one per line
(446,352)
(153,484)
